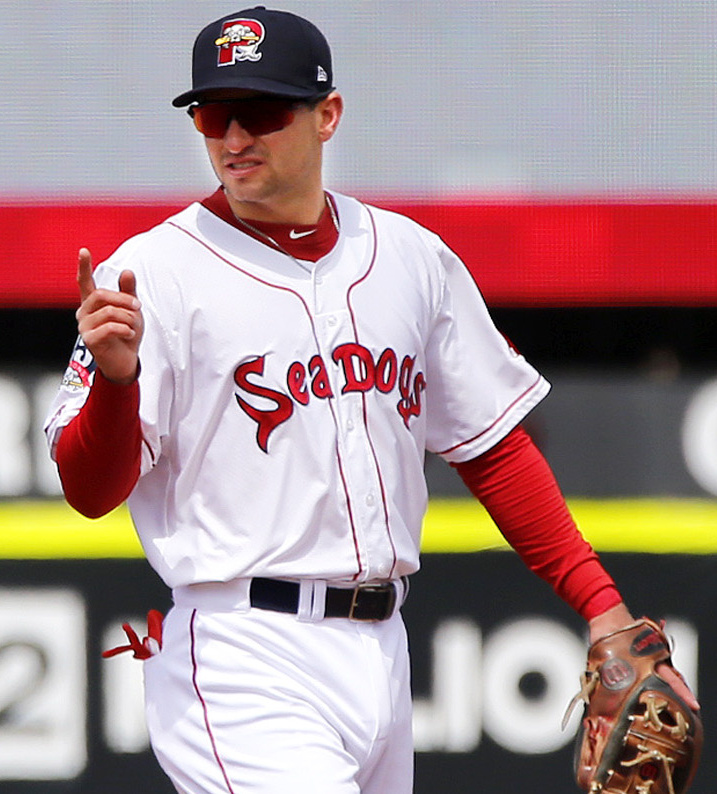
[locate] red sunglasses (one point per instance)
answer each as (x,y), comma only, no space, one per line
(258,116)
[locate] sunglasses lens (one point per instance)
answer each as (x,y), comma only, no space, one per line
(256,116)
(211,120)
(268,115)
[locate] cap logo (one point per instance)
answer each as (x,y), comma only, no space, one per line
(239,41)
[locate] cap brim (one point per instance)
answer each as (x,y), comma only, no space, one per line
(259,84)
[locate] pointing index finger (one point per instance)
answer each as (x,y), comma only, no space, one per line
(85,281)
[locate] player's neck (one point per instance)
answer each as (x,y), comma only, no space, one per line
(300,211)
(307,242)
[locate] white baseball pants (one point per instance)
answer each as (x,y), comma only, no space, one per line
(251,700)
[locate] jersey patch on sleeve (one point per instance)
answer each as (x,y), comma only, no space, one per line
(78,375)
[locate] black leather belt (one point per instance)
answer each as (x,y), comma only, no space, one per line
(365,602)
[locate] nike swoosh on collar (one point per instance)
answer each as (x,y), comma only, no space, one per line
(294,235)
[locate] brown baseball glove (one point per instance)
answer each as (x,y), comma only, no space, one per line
(637,736)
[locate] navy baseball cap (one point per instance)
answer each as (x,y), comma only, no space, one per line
(272,52)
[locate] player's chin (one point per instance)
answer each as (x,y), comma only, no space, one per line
(244,185)
(245,190)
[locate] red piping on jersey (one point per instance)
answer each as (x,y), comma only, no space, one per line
(203,703)
(313,331)
(150,451)
(237,267)
(497,420)
(382,486)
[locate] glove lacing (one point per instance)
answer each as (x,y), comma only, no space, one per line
(588,681)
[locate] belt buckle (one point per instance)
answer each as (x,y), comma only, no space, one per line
(387,589)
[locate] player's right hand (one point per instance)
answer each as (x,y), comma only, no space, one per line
(110,322)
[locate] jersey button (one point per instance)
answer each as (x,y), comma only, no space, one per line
(350,424)
(370,500)
(332,320)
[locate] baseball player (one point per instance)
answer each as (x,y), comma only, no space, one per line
(260,377)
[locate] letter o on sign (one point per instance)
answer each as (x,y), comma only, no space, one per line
(543,650)
(699,437)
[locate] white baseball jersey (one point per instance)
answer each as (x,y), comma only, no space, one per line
(286,411)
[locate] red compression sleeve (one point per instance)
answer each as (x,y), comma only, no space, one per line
(518,489)
(98,453)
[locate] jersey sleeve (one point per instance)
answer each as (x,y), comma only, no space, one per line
(156,374)
(479,387)
(78,377)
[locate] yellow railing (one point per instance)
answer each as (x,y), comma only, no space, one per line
(52,530)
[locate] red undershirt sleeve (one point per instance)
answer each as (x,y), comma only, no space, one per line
(518,489)
(98,452)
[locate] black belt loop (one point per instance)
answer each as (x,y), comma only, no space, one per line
(368,602)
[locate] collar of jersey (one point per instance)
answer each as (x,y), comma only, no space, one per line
(310,247)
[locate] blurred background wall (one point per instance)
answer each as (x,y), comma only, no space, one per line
(566,150)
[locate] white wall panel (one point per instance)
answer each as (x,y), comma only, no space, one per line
(510,96)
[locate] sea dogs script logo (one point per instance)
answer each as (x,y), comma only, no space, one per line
(357,370)
(239,41)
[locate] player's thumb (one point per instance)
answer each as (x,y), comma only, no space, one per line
(128,284)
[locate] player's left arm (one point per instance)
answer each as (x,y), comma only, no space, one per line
(515,484)
(518,489)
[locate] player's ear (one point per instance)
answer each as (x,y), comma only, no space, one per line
(329,113)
